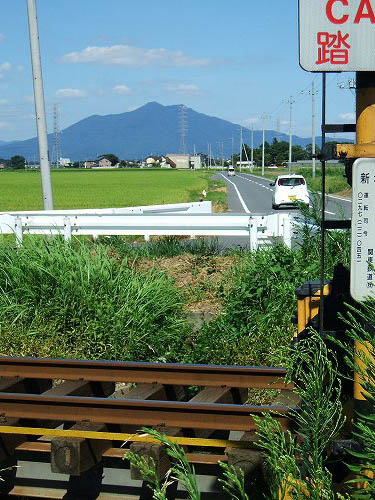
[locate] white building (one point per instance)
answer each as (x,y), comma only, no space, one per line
(245,164)
(178,160)
(65,162)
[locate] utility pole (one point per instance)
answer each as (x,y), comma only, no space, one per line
(240,148)
(290,102)
(40,111)
(264,117)
(252,146)
(232,151)
(313,129)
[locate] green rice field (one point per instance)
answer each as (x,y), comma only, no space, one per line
(98,189)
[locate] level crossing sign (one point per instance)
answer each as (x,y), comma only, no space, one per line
(362,279)
(337,35)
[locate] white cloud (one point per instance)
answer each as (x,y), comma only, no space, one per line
(5,66)
(121,89)
(28,98)
(250,121)
(20,68)
(2,37)
(127,55)
(70,93)
(182,88)
(347,116)
(3,102)
(6,126)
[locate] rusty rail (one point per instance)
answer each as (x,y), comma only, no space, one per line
(162,373)
(115,411)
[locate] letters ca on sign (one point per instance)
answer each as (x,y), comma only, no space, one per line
(330,34)
(337,14)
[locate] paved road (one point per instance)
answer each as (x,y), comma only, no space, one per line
(253,194)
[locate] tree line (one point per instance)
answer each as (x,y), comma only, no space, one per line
(276,153)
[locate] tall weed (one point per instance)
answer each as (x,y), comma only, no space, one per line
(96,306)
(298,466)
(181,470)
(360,350)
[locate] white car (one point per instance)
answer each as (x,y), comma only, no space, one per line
(288,190)
(231,171)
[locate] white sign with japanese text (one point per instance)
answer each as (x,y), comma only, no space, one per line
(362,276)
(337,35)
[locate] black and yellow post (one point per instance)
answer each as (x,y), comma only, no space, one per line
(308,303)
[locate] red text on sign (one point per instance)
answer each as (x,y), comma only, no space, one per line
(329,12)
(333,48)
(369,14)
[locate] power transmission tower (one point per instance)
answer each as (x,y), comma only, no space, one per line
(56,151)
(183,127)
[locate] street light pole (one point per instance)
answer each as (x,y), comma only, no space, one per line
(40,111)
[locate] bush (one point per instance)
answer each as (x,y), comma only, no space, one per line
(255,326)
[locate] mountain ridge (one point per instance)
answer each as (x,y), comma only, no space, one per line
(152,129)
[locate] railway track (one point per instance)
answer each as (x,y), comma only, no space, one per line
(77,414)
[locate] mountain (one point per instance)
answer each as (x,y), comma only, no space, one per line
(150,129)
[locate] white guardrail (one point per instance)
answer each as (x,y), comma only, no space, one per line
(149,222)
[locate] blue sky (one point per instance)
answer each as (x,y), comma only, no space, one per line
(236,60)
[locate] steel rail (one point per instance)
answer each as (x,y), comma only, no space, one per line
(137,412)
(162,373)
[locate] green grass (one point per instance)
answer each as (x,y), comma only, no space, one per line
(98,189)
(90,300)
(64,300)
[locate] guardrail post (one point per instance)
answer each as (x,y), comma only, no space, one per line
(18,230)
(253,233)
(287,232)
(67,229)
